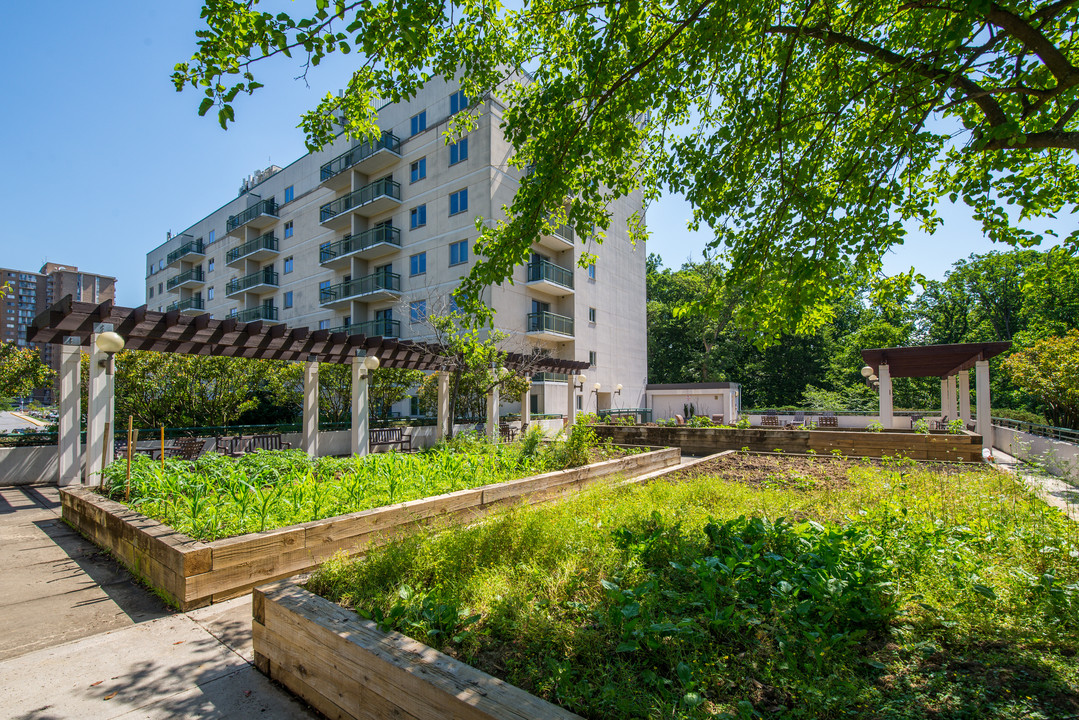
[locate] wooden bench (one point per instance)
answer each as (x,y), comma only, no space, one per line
(390,437)
(242,444)
(827,421)
(770,421)
(507,432)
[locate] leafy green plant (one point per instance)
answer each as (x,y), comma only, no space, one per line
(921,426)
(956,427)
(874,427)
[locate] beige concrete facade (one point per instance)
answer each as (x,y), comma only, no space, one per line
(403,246)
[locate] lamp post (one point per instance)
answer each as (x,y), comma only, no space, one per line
(573,384)
(100,399)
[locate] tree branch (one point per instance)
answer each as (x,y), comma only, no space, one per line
(1066,74)
(1037,141)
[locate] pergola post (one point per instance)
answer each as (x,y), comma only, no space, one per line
(526,407)
(443,409)
(99,420)
(492,413)
(947,398)
(964,396)
(361,439)
(68,446)
(310,407)
(985,411)
(884,378)
(571,400)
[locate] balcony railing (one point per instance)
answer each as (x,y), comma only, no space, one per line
(194,303)
(262,312)
(191,247)
(344,161)
(550,322)
(565,232)
(262,242)
(547,270)
(360,197)
(372,328)
(266,276)
(360,241)
(262,207)
(192,275)
(365,285)
(546,377)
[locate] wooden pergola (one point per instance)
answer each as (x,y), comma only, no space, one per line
(948,362)
(77,325)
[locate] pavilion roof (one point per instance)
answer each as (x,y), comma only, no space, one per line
(144,329)
(931,360)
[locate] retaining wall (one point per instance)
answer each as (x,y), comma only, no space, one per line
(1058,457)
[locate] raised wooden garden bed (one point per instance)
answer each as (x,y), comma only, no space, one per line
(964,447)
(193,573)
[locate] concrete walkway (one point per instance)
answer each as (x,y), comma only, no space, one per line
(79,638)
(1051,489)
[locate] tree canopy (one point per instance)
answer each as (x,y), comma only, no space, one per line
(805,134)
(21,370)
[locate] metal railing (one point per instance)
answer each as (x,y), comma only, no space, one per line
(361,152)
(194,303)
(361,241)
(262,312)
(358,198)
(372,328)
(546,377)
(550,322)
(547,270)
(640,415)
(365,285)
(262,242)
(262,207)
(194,274)
(195,247)
(1048,431)
(266,276)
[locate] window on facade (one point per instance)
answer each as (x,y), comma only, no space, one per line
(288,299)
(580,403)
(212,236)
(288,229)
(591,271)
(418,122)
(288,264)
(290,193)
(161,264)
(151,292)
(210,265)
(417,217)
(592,358)
(458,102)
(323,324)
(417,311)
(591,314)
(417,264)
(209,293)
(459,201)
(417,170)
(459,151)
(323,287)
(160,288)
(459,252)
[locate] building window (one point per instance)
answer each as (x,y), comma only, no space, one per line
(323,287)
(580,403)
(151,292)
(458,102)
(210,265)
(212,236)
(323,324)
(417,217)
(161,264)
(288,299)
(417,311)
(591,271)
(592,358)
(418,123)
(417,170)
(458,252)
(417,264)
(160,288)
(209,293)
(459,201)
(459,151)
(290,193)
(288,229)
(453,303)
(591,314)
(288,264)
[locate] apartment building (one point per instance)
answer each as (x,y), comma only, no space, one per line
(30,293)
(370,238)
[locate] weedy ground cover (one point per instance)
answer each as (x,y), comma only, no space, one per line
(218,496)
(777,587)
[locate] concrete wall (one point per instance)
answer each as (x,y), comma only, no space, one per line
(1058,457)
(29,465)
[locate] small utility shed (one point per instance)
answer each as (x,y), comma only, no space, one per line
(715,398)
(948,362)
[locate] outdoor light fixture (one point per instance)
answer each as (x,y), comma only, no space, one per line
(596,387)
(370,363)
(110,343)
(873,378)
(618,389)
(867,371)
(580,381)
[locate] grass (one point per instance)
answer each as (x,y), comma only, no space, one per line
(810,588)
(217,496)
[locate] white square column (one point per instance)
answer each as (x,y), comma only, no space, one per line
(443,408)
(68,446)
(884,378)
(964,396)
(492,414)
(99,420)
(361,439)
(985,411)
(310,408)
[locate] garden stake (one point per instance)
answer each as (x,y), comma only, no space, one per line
(127,484)
(162,451)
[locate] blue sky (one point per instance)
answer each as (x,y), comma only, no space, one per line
(102,156)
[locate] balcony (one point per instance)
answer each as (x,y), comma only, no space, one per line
(190,306)
(549,279)
(372,328)
(265,312)
(370,200)
(263,247)
(369,288)
(260,282)
(191,250)
(549,326)
(367,158)
(260,216)
(369,245)
(191,278)
(549,377)
(558,240)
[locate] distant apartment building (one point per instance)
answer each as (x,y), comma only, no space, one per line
(30,293)
(370,238)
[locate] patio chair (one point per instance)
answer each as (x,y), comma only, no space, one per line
(679,419)
(827,419)
(770,421)
(798,422)
(717,419)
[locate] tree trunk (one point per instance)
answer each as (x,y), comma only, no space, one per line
(453,402)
